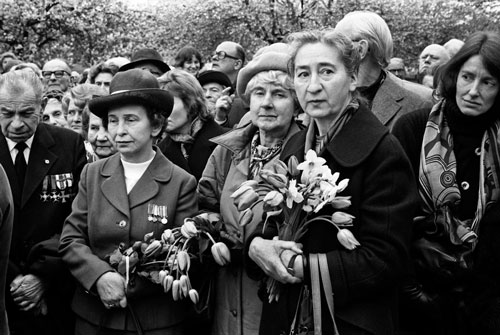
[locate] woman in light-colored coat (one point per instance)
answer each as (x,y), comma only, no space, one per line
(240,155)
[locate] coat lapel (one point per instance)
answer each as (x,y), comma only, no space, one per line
(8,165)
(160,170)
(387,102)
(357,139)
(113,187)
(348,148)
(40,161)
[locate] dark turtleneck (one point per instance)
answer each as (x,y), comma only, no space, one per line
(369,92)
(467,134)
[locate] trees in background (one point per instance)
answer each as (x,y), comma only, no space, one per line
(87,31)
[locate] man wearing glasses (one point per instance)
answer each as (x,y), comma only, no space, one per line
(229,58)
(56,75)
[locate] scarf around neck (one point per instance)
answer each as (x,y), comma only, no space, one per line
(317,142)
(438,187)
(260,155)
(186,140)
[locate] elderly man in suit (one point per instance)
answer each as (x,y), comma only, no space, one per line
(6,222)
(43,164)
(388,96)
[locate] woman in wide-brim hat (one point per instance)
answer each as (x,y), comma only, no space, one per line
(111,208)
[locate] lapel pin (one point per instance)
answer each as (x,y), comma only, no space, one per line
(47,161)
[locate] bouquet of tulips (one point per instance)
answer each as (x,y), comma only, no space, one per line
(296,192)
(166,261)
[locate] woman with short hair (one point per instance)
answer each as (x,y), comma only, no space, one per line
(189,59)
(240,155)
(357,293)
(112,208)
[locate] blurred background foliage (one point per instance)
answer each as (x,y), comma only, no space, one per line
(87,31)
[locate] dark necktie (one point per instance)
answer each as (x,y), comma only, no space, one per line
(20,163)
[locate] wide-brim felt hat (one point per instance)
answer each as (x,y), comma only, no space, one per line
(146,56)
(212,76)
(134,86)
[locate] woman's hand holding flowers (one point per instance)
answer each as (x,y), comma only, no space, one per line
(293,263)
(111,289)
(266,254)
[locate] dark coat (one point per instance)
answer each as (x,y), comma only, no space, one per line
(382,187)
(201,149)
(103,216)
(6,222)
(55,152)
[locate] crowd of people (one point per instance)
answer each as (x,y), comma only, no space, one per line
(84,157)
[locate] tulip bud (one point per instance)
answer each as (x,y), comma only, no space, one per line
(148,237)
(292,166)
(167,236)
(189,229)
(183,260)
(280,167)
(183,284)
(277,180)
(341,202)
(153,249)
(244,197)
(167,283)
(144,246)
(176,290)
(347,239)
(252,183)
(221,254)
(137,245)
(273,198)
(161,275)
(242,189)
(245,217)
(193,295)
(342,219)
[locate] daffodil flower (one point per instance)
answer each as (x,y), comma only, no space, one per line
(293,194)
(343,184)
(312,162)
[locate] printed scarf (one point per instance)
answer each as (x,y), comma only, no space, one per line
(186,140)
(438,187)
(317,142)
(260,155)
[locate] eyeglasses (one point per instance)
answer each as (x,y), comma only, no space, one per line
(220,55)
(57,74)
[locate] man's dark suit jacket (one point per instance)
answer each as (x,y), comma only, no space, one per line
(56,159)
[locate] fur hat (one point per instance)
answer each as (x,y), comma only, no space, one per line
(272,57)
